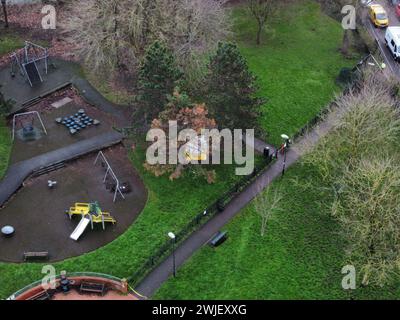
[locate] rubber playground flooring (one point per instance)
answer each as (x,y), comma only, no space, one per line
(38,213)
(57,135)
(18,89)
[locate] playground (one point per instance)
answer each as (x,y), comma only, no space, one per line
(38,212)
(32,74)
(70,187)
(57,135)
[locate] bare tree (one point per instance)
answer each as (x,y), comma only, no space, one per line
(262,11)
(114,33)
(4,5)
(266,204)
(359,163)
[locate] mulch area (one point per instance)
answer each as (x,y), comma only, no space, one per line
(25,21)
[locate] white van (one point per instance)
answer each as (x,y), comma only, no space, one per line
(392,39)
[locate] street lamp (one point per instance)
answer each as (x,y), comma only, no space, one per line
(285,146)
(3,3)
(172,236)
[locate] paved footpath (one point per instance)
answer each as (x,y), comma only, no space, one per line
(160,274)
(18,172)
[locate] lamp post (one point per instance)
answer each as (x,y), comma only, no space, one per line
(3,3)
(173,237)
(285,146)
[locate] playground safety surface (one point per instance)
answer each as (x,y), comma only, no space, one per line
(38,213)
(22,93)
(57,136)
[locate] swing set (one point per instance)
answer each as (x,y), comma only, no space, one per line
(27,60)
(26,121)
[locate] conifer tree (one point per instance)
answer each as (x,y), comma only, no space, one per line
(158,76)
(231,89)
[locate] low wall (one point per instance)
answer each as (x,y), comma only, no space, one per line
(111,283)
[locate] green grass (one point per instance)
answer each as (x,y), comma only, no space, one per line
(9,44)
(302,253)
(104,86)
(170,206)
(296,64)
(300,256)
(5,147)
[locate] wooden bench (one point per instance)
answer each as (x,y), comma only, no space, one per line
(42,295)
(28,256)
(93,287)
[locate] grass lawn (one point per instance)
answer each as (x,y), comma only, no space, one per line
(5,147)
(170,206)
(296,64)
(300,256)
(9,44)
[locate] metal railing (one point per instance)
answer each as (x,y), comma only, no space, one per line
(197,222)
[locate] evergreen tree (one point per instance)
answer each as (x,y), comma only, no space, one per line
(158,76)
(231,89)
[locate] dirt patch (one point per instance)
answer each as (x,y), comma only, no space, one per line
(38,213)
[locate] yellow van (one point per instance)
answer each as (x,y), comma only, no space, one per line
(378,16)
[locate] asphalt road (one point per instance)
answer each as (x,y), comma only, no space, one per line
(379,35)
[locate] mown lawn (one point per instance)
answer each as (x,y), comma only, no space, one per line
(300,256)
(296,64)
(170,206)
(9,44)
(5,147)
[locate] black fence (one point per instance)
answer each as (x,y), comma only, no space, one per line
(198,221)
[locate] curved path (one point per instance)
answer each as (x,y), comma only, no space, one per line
(65,74)
(17,173)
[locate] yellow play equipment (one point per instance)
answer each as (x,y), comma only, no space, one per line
(91,211)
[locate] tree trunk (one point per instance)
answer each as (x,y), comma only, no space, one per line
(3,3)
(259,32)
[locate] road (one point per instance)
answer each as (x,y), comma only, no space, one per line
(379,35)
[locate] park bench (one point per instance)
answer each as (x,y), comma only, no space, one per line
(42,295)
(29,256)
(92,287)
(218,239)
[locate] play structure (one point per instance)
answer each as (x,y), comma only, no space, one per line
(77,122)
(90,213)
(110,172)
(197,149)
(28,60)
(24,122)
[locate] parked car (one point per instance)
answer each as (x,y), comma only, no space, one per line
(378,16)
(392,40)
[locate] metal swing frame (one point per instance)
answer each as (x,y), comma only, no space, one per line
(25,114)
(26,56)
(109,171)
